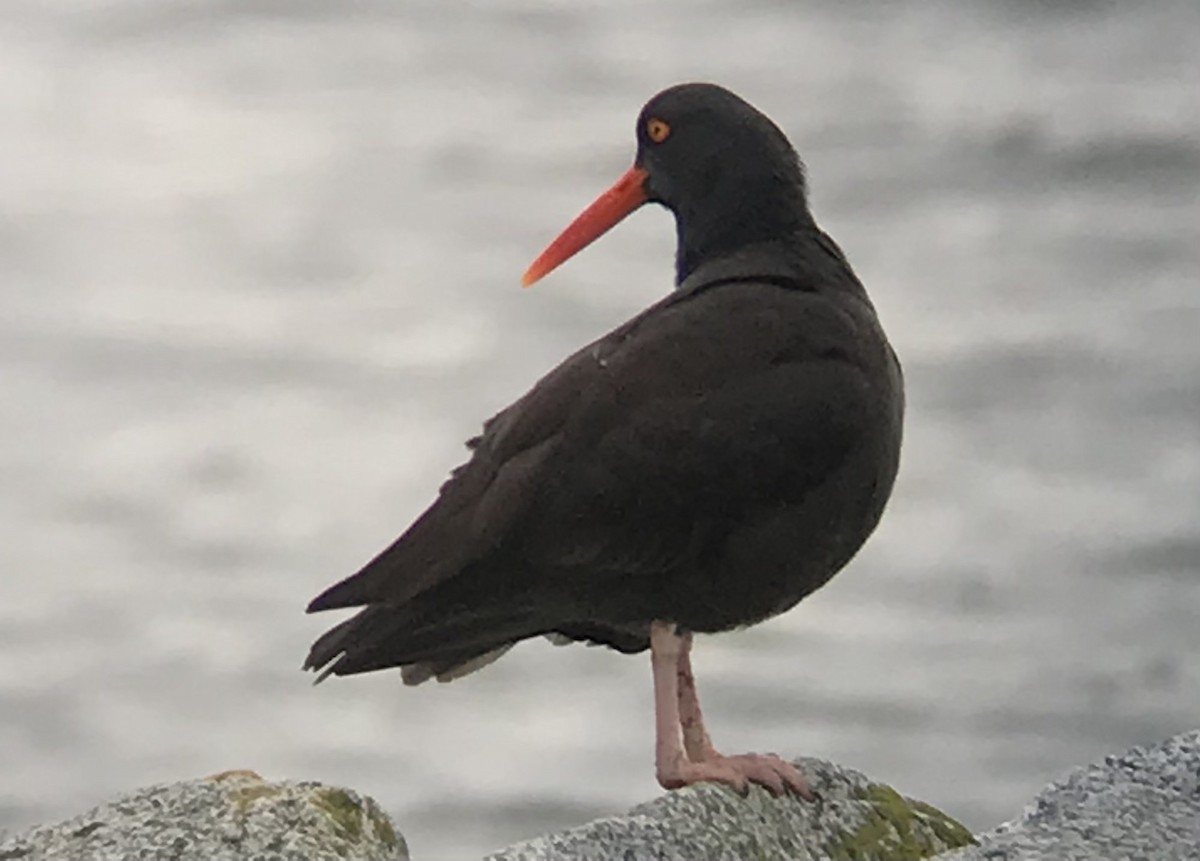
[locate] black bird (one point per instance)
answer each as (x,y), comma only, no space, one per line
(699,469)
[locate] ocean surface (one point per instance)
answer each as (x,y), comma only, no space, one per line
(259,279)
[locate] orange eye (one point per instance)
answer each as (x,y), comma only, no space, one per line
(657,130)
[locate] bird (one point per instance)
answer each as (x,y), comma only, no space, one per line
(700,469)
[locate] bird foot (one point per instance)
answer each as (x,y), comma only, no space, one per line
(771,772)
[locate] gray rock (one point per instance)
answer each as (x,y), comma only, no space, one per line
(1144,804)
(856,818)
(234,815)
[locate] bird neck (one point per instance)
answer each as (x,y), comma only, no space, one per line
(743,219)
(808,260)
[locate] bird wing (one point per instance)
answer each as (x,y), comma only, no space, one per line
(741,387)
(730,404)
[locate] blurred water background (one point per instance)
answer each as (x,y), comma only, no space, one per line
(259,268)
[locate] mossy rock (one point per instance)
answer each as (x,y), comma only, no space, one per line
(898,829)
(855,819)
(235,814)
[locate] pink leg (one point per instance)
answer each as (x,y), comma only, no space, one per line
(692,758)
(696,742)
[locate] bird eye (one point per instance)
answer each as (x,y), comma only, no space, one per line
(657,130)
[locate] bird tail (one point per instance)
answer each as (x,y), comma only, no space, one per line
(448,647)
(451,667)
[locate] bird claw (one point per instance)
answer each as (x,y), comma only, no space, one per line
(769,771)
(772,772)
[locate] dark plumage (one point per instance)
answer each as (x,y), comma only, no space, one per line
(706,465)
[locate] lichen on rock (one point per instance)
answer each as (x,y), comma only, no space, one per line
(898,829)
(855,819)
(235,814)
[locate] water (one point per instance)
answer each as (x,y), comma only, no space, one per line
(258,279)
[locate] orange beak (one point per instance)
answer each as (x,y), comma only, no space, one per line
(626,195)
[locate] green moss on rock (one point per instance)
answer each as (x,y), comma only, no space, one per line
(898,830)
(949,830)
(352,817)
(383,827)
(343,810)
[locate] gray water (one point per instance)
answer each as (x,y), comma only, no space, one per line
(259,270)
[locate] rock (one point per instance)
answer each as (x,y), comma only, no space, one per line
(1141,804)
(233,815)
(856,818)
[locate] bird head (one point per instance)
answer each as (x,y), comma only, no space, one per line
(727,173)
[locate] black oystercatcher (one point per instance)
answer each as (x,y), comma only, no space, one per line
(699,469)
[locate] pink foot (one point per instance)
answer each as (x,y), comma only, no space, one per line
(738,772)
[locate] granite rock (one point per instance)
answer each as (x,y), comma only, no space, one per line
(233,815)
(855,818)
(1143,804)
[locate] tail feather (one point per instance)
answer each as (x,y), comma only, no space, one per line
(382,636)
(430,552)
(392,577)
(452,667)
(346,593)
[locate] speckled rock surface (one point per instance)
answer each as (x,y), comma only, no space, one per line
(855,819)
(1143,804)
(234,815)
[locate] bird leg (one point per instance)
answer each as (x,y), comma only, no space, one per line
(696,743)
(683,752)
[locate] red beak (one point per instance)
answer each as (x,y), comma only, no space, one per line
(626,195)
